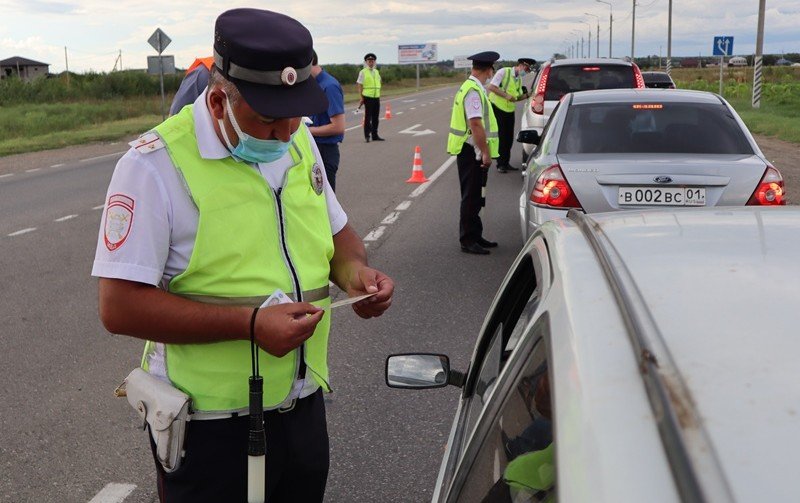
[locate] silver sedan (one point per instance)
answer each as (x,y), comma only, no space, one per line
(631,149)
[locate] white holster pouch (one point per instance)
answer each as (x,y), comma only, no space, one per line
(166,409)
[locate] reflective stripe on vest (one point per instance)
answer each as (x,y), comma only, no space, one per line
(250,241)
(459,128)
(510,84)
(371,86)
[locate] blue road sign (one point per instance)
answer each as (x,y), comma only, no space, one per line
(723,46)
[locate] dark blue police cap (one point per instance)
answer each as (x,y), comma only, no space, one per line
(268,57)
(527,61)
(370,55)
(486,57)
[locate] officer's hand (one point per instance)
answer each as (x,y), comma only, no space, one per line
(282,328)
(369,280)
(486,160)
(361,101)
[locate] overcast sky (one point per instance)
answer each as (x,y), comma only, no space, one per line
(94,31)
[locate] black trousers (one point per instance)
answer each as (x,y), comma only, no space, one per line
(505,133)
(472,178)
(372,108)
(330,158)
(215,466)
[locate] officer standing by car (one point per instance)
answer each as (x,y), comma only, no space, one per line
(504,91)
(219,208)
(473,140)
(369,88)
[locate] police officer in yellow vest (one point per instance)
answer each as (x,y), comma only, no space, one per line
(369,88)
(473,139)
(210,214)
(505,90)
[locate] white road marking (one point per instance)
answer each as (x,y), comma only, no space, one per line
(403,206)
(354,127)
(63,219)
(399,113)
(422,188)
(90,159)
(375,234)
(391,218)
(23,231)
(412,130)
(99,207)
(423,104)
(7,174)
(57,165)
(32,170)
(413,108)
(113,493)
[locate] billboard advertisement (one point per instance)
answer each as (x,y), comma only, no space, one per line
(417,53)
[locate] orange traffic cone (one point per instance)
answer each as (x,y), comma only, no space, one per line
(417,175)
(388,114)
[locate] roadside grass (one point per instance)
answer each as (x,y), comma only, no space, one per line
(780,97)
(42,126)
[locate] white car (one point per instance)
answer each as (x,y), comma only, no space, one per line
(562,76)
(638,356)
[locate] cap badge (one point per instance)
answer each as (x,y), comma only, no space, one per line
(317,179)
(289,76)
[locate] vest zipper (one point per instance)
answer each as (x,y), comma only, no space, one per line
(298,291)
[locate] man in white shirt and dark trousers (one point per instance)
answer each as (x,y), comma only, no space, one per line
(505,90)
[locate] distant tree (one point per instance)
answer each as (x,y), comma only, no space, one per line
(558,55)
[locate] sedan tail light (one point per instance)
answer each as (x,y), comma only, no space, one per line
(770,190)
(537,103)
(638,79)
(553,190)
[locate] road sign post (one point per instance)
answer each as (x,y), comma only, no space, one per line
(723,46)
(159,41)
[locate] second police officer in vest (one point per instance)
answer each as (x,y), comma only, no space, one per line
(207,215)
(473,140)
(369,87)
(505,90)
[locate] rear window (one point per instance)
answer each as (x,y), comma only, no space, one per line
(690,128)
(656,77)
(568,79)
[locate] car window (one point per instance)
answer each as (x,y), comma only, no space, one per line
(546,140)
(571,78)
(515,459)
(670,127)
(493,352)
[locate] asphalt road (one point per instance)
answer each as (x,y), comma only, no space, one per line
(64,437)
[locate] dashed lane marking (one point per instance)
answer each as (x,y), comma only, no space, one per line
(90,159)
(7,174)
(21,232)
(113,493)
(63,219)
(32,170)
(391,218)
(403,206)
(99,207)
(375,234)
(57,165)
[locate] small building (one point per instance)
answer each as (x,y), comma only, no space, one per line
(26,69)
(737,61)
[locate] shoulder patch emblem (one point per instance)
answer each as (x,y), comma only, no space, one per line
(148,142)
(119,218)
(317,179)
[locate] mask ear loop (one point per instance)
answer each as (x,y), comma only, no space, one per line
(236,128)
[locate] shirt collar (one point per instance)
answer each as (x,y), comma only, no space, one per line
(208,143)
(480,84)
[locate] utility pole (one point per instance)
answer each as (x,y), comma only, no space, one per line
(610,24)
(759,55)
(598,32)
(66,63)
(633,32)
(669,40)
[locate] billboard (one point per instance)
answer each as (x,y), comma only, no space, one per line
(461,62)
(418,53)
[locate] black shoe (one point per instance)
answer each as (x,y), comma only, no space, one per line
(485,243)
(366,139)
(511,168)
(501,169)
(474,248)
(377,138)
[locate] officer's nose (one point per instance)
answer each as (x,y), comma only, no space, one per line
(283,129)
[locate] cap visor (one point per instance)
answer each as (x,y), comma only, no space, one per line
(302,99)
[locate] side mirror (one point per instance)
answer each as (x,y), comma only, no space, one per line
(529,136)
(420,371)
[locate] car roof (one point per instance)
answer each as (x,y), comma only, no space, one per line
(589,61)
(624,95)
(722,286)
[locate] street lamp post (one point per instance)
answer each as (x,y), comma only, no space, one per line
(610,24)
(589,47)
(669,40)
(633,32)
(597,42)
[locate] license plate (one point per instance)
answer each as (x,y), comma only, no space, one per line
(662,196)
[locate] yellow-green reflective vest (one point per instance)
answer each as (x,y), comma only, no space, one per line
(510,84)
(459,125)
(371,86)
(251,240)
(532,472)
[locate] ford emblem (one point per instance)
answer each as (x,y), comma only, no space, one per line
(662,179)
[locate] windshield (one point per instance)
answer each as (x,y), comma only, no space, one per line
(568,79)
(689,128)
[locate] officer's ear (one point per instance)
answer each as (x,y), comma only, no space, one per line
(216,103)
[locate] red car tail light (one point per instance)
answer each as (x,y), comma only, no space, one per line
(552,190)
(770,190)
(537,103)
(637,77)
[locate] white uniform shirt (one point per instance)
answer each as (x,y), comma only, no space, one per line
(473,108)
(497,80)
(155,244)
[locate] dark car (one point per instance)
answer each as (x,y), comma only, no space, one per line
(658,80)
